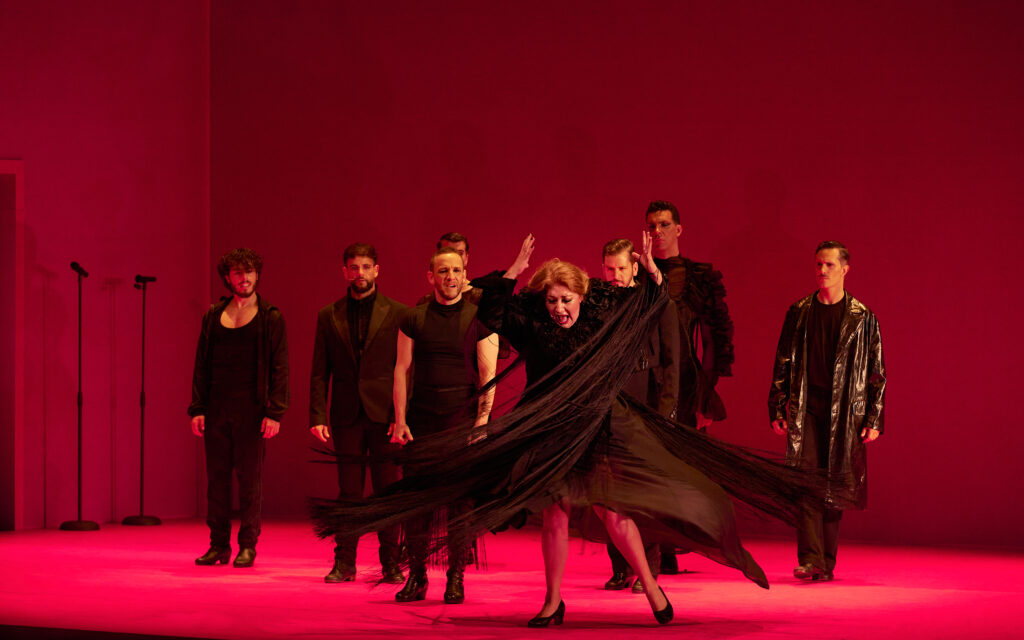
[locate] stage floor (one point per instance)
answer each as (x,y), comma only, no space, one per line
(142,581)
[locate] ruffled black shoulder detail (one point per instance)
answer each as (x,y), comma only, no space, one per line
(705,295)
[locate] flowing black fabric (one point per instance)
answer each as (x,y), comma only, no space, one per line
(573,436)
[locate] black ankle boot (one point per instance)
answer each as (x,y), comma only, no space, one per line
(415,587)
(618,581)
(215,555)
(454,591)
(341,572)
(245,558)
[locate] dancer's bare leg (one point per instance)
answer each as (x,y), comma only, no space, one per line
(554,543)
(626,537)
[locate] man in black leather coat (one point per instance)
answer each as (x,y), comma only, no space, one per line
(827,396)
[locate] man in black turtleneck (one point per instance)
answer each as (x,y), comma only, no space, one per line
(454,356)
(354,356)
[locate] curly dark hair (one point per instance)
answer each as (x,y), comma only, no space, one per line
(242,258)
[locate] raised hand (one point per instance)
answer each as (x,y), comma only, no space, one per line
(522,261)
(647,257)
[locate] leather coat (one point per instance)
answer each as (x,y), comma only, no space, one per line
(858,394)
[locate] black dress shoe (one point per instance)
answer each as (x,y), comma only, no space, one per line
(617,582)
(415,588)
(341,573)
(454,591)
(827,576)
(665,615)
(215,555)
(638,586)
(808,572)
(246,556)
(392,574)
(542,621)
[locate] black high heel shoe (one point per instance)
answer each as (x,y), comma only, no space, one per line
(665,615)
(542,621)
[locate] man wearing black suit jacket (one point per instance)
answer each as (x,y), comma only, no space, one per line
(354,356)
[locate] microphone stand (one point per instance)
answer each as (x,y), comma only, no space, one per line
(141,520)
(79,525)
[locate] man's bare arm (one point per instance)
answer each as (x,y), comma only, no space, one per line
(399,430)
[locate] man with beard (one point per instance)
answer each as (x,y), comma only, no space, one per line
(354,357)
(705,329)
(827,396)
(454,356)
(654,381)
(240,383)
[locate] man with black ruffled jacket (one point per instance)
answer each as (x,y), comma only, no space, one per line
(705,329)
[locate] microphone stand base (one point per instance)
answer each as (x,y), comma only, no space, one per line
(141,521)
(79,525)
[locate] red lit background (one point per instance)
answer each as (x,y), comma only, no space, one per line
(155,136)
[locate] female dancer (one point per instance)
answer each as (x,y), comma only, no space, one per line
(574,448)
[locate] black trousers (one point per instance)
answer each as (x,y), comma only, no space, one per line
(233,442)
(418,530)
(619,565)
(817,532)
(360,438)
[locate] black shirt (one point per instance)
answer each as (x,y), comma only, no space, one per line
(359,312)
(233,360)
(823,326)
(444,356)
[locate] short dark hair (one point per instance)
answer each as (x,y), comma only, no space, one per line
(663,205)
(453,237)
(444,251)
(844,254)
(241,258)
(617,246)
(359,249)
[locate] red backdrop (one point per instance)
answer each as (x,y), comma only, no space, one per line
(893,127)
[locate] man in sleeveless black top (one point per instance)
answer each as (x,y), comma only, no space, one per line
(239,394)
(460,243)
(827,396)
(353,361)
(454,355)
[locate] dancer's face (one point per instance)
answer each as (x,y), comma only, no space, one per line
(619,269)
(447,276)
(242,281)
(563,304)
(361,272)
(829,269)
(665,232)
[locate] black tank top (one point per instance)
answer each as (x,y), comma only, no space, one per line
(233,361)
